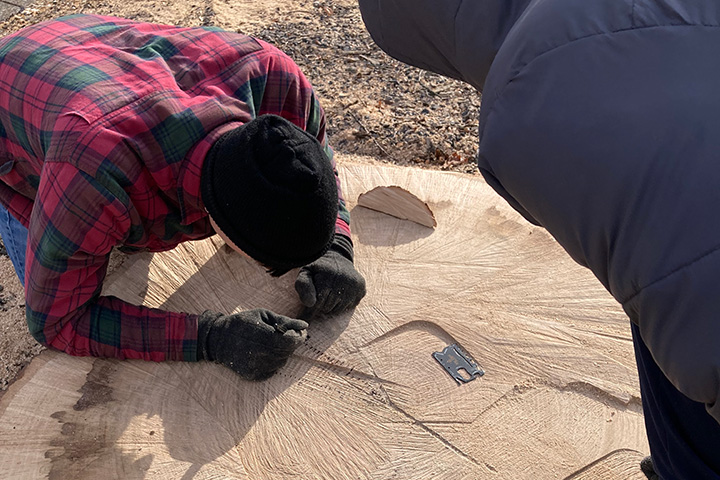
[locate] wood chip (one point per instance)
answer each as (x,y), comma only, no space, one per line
(398,202)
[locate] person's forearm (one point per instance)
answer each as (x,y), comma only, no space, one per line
(316,126)
(342,225)
(110,327)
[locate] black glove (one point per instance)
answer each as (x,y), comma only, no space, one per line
(254,343)
(646,465)
(331,284)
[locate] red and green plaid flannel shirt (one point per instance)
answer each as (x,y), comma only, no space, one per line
(104,125)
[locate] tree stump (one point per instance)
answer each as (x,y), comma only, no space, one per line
(363,398)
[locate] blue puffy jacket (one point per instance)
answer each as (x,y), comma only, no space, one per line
(600,121)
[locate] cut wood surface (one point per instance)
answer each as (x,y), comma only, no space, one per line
(398,202)
(618,464)
(363,398)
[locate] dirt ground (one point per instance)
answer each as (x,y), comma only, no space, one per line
(374,105)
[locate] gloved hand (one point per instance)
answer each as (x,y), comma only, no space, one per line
(331,284)
(646,465)
(254,343)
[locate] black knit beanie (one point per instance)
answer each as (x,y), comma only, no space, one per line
(270,188)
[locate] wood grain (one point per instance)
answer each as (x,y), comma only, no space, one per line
(620,464)
(398,202)
(363,398)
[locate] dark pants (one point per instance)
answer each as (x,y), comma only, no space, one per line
(684,438)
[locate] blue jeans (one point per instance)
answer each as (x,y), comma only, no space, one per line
(14,236)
